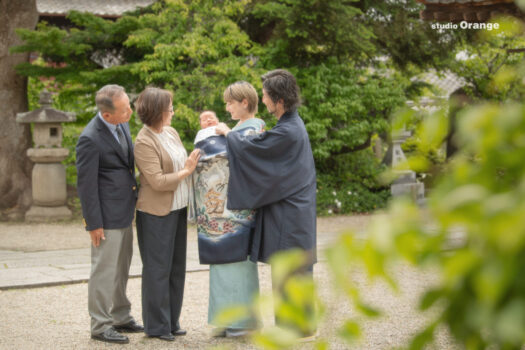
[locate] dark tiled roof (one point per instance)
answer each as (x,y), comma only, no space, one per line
(467,10)
(110,8)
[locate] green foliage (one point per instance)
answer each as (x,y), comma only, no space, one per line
(70,131)
(297,306)
(305,32)
(231,315)
(408,41)
(424,149)
(275,338)
(353,186)
(345,105)
(490,61)
(479,295)
(192,48)
(196,48)
(295,302)
(196,56)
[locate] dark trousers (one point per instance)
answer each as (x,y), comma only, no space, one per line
(162,245)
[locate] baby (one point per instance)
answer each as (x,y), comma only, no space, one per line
(208,121)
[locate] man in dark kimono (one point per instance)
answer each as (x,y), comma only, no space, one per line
(274,172)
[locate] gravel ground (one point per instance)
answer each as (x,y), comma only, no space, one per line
(57,318)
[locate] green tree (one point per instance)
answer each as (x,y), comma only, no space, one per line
(348,95)
(410,43)
(191,48)
(344,108)
(480,291)
(305,33)
(489,60)
(196,48)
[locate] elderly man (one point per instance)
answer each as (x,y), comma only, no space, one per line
(274,172)
(108,192)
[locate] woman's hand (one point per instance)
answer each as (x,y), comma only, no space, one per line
(192,160)
(222,129)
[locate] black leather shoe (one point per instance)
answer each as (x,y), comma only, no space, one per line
(131,327)
(166,337)
(179,332)
(110,335)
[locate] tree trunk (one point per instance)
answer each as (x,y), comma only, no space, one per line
(15,139)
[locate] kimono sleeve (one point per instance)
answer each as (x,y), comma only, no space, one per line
(261,167)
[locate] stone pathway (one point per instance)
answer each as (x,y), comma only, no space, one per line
(24,263)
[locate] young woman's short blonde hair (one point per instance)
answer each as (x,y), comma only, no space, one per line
(241,90)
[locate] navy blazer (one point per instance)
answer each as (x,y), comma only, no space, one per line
(105,177)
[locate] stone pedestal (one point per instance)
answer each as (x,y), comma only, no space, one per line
(407,185)
(43,214)
(49,185)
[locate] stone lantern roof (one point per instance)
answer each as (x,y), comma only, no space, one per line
(467,10)
(45,114)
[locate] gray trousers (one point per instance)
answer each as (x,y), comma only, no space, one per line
(110,261)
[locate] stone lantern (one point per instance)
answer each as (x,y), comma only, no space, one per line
(49,174)
(406,182)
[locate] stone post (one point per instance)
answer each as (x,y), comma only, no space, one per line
(49,188)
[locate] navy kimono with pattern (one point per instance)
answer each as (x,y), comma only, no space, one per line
(274,172)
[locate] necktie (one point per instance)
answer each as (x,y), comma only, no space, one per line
(122,140)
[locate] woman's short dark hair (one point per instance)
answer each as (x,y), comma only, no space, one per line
(151,104)
(280,84)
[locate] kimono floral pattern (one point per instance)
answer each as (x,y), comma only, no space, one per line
(211,185)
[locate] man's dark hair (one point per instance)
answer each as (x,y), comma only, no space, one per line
(280,84)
